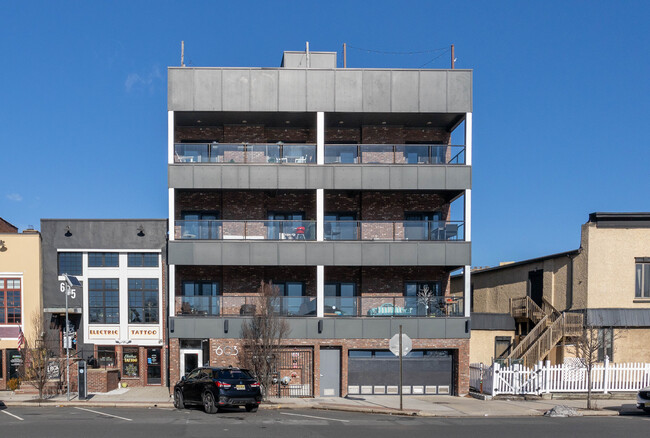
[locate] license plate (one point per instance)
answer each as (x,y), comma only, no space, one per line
(240,387)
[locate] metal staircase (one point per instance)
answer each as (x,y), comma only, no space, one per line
(550,327)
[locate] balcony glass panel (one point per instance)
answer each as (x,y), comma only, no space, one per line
(394,154)
(243,305)
(394,230)
(377,306)
(298,230)
(198,305)
(277,153)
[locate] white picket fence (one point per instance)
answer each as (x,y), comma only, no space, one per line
(547,378)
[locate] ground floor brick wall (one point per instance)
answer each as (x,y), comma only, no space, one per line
(226,352)
(100,380)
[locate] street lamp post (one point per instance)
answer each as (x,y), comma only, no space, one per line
(70,282)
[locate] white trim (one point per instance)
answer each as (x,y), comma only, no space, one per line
(171,222)
(16,275)
(320,291)
(468,139)
(467,273)
(170,137)
(172,290)
(320,137)
(468,215)
(320,215)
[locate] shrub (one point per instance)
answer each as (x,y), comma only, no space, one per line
(13,384)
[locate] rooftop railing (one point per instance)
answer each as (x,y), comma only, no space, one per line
(279,153)
(367,305)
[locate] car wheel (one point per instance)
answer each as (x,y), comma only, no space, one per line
(646,410)
(251,408)
(178,399)
(208,403)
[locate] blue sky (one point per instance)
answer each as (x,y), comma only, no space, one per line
(560,100)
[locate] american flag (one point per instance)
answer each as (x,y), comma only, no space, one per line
(21,338)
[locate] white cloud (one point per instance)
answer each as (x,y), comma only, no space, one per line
(14,197)
(137,81)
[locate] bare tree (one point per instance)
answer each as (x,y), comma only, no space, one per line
(262,336)
(425,295)
(38,355)
(587,345)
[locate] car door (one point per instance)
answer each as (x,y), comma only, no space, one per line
(191,386)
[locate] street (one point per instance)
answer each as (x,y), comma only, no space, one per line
(62,422)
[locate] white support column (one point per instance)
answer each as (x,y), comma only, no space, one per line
(171,216)
(170,137)
(320,291)
(171,288)
(320,213)
(320,137)
(468,213)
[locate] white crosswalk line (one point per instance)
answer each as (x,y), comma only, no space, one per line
(15,416)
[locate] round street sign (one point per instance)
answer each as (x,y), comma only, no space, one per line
(407,344)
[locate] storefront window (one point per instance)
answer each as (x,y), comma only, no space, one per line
(130,362)
(106,357)
(15,360)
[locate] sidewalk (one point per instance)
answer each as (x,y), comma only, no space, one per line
(425,406)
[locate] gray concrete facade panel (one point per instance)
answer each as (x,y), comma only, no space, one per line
(207,89)
(311,177)
(264,90)
(337,90)
(376,91)
(292,90)
(282,253)
(333,328)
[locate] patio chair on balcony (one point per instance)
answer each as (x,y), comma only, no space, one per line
(451,231)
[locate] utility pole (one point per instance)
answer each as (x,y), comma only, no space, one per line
(183,54)
(67,339)
(453,59)
(307,54)
(345,55)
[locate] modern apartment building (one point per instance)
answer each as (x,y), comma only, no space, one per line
(117,316)
(20,295)
(350,191)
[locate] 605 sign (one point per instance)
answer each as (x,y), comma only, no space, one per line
(62,288)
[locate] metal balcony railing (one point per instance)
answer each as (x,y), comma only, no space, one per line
(394,230)
(245,230)
(276,153)
(367,305)
(280,153)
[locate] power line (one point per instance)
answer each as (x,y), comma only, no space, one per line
(430,61)
(383,52)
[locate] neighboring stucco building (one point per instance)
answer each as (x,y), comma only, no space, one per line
(117,316)
(336,185)
(607,279)
(20,294)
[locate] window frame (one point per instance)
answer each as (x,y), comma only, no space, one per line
(142,292)
(5,290)
(605,344)
(104,291)
(103,262)
(107,351)
(642,278)
(78,271)
(141,258)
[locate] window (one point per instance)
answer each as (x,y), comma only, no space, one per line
(605,344)
(143,300)
(642,277)
(501,346)
(10,305)
(340,299)
(106,356)
(424,226)
(291,301)
(200,225)
(340,226)
(103,260)
(103,301)
(143,260)
(70,263)
(130,362)
(415,291)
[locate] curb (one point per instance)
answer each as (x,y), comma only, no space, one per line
(386,411)
(89,404)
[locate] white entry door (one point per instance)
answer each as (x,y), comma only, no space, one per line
(190,359)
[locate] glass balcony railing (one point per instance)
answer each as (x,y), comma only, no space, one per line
(394,154)
(245,230)
(367,305)
(242,305)
(276,153)
(394,230)
(279,153)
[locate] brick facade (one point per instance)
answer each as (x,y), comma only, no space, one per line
(100,380)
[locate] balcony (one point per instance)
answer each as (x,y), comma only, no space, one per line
(366,306)
(394,154)
(245,230)
(275,153)
(278,153)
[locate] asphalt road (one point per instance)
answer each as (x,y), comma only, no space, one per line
(153,423)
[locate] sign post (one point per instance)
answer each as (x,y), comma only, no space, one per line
(400,345)
(66,288)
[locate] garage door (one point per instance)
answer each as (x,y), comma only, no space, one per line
(377,372)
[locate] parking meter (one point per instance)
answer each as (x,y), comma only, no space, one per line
(82,382)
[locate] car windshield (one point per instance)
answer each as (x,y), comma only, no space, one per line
(231,374)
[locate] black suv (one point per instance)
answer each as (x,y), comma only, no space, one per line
(215,388)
